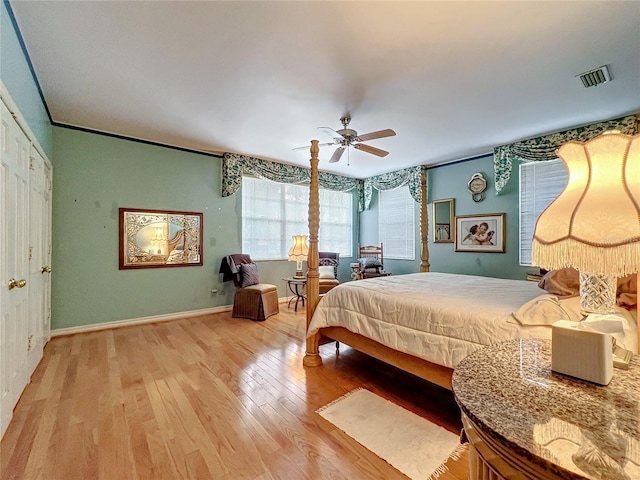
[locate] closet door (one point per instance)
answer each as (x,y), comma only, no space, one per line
(39,266)
(14,263)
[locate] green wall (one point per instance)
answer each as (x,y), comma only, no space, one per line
(95,175)
(17,78)
(450,181)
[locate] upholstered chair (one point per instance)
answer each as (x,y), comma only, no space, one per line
(328,271)
(252,299)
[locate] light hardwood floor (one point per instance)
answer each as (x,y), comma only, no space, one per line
(209,397)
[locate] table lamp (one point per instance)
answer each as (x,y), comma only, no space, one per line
(298,252)
(594,224)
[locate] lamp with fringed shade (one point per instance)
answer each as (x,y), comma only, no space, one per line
(298,253)
(594,224)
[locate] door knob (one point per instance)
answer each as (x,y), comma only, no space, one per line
(46,269)
(13,283)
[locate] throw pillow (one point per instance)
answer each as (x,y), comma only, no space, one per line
(563,283)
(627,294)
(326,271)
(369,262)
(248,274)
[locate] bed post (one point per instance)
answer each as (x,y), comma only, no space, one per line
(424,225)
(312,357)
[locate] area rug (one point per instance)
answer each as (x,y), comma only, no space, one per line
(408,442)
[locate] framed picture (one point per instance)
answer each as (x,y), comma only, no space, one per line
(480,233)
(159,238)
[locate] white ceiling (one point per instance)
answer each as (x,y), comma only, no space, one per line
(453,79)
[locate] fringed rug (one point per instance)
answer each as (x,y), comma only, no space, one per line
(410,443)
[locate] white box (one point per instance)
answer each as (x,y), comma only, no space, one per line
(581,353)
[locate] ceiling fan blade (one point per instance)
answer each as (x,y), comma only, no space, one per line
(379,134)
(332,133)
(307,147)
(370,149)
(337,154)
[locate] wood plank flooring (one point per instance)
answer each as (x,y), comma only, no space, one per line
(210,397)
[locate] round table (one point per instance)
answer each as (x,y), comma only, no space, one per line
(525,421)
(298,287)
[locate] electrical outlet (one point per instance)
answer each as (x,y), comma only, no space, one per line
(215,290)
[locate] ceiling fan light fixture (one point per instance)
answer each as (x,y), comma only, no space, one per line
(347,137)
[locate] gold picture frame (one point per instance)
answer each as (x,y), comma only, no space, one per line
(159,238)
(443,221)
(480,233)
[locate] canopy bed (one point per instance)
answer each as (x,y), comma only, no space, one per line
(484,314)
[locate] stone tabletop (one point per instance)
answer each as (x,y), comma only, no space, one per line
(572,428)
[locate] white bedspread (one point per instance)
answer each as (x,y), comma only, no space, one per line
(439,317)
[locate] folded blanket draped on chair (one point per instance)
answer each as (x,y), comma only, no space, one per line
(230,266)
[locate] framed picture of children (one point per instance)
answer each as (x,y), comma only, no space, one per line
(480,233)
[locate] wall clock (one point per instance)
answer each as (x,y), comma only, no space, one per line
(477,185)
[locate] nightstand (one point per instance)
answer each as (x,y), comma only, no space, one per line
(525,421)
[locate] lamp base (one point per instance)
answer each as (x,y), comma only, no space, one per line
(597,294)
(299,274)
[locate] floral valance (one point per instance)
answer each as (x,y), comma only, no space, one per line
(544,148)
(388,181)
(234,166)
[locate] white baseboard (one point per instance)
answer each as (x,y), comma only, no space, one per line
(58,332)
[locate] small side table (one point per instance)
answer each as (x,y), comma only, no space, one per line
(298,287)
(525,421)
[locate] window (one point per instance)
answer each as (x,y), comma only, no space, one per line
(273,212)
(396,223)
(540,184)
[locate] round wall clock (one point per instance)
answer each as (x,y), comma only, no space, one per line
(477,185)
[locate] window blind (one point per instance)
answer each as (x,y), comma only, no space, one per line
(396,223)
(540,184)
(273,212)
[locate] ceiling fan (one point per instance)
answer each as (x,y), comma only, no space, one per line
(346,137)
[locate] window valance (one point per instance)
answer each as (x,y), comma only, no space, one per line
(234,166)
(388,181)
(544,148)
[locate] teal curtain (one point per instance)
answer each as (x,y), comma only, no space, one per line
(234,166)
(544,148)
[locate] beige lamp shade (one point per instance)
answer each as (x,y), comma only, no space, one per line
(594,224)
(298,253)
(299,249)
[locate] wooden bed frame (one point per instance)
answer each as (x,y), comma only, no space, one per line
(421,368)
(429,371)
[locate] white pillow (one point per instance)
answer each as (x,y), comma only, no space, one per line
(326,271)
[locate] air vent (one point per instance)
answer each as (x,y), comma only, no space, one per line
(595,77)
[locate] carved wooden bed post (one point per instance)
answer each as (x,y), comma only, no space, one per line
(312,357)
(434,373)
(424,225)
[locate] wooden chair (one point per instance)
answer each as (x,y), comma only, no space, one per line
(371,260)
(328,259)
(254,300)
